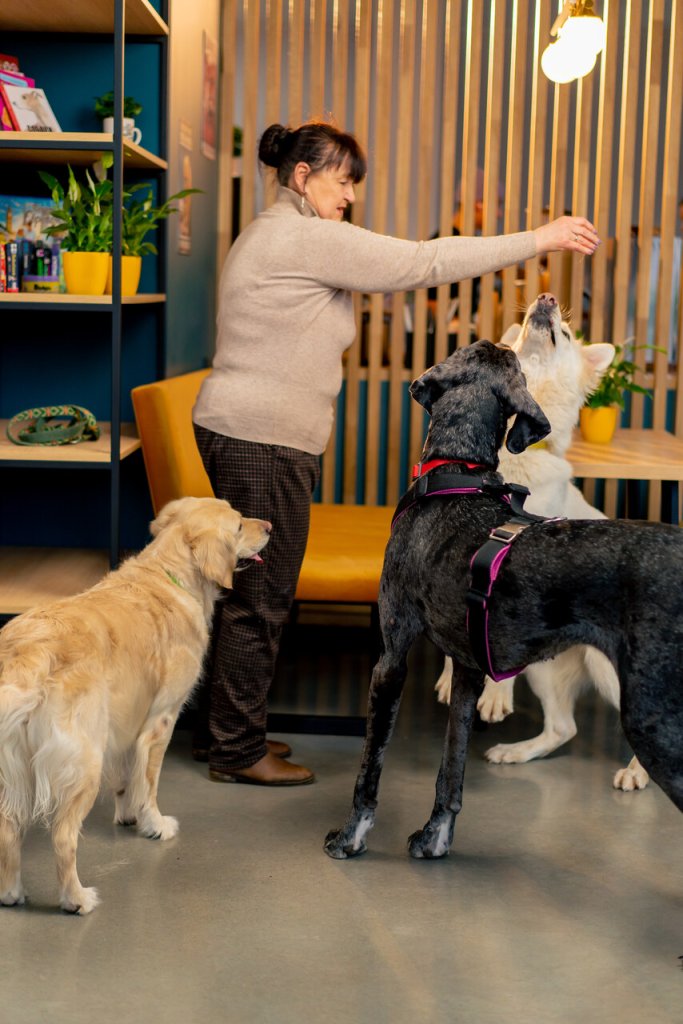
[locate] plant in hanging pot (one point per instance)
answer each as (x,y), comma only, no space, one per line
(84,215)
(140,216)
(104,108)
(599,416)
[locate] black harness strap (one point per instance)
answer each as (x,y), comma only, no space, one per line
(488,559)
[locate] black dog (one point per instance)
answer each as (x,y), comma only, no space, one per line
(615,585)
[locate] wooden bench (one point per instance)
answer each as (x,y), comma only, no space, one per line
(345,550)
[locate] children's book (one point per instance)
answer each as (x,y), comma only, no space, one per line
(25,217)
(29,108)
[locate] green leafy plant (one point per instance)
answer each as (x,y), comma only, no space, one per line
(104,106)
(618,379)
(83,211)
(236,140)
(140,216)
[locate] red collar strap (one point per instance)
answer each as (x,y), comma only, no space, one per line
(423,467)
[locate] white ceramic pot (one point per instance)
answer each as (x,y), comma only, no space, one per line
(129,129)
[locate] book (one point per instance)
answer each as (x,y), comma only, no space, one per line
(8,63)
(6,121)
(29,108)
(14,78)
(25,217)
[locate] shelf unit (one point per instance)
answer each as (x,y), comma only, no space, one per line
(31,574)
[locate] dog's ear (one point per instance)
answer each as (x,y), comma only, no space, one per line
(531,424)
(511,335)
(428,388)
(596,359)
(171,511)
(215,554)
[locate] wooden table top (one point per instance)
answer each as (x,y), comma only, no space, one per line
(631,455)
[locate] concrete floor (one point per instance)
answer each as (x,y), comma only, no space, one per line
(561,901)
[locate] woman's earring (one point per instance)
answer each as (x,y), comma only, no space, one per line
(302,202)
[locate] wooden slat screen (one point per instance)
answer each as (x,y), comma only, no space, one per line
(464,131)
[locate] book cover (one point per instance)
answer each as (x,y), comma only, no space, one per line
(30,108)
(25,217)
(6,121)
(8,63)
(14,78)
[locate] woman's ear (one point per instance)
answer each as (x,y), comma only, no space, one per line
(300,176)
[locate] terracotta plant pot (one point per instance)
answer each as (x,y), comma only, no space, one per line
(598,425)
(85,273)
(130,275)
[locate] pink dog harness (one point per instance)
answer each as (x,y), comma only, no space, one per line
(487,560)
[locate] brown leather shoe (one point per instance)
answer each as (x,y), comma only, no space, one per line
(269,771)
(276,747)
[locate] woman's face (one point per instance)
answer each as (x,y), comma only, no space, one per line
(329,192)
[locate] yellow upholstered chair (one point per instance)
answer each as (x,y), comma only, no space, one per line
(345,550)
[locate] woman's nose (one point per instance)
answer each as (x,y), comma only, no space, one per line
(350,194)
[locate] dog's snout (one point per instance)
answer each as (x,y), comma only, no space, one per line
(547,298)
(268,527)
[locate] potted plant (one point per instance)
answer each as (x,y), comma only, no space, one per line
(599,415)
(104,108)
(85,219)
(139,217)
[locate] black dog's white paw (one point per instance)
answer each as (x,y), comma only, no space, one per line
(430,843)
(348,841)
(338,846)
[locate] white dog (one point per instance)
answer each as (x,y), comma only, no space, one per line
(93,684)
(560,372)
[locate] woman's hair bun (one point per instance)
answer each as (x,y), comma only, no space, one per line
(273,144)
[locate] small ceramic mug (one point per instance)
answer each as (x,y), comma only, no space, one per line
(129,129)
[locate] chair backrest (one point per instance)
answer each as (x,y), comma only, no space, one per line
(163,412)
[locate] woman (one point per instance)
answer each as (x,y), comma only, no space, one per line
(264,414)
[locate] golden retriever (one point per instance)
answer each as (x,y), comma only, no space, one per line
(92,685)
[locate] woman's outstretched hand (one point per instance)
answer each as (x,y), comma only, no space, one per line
(573,234)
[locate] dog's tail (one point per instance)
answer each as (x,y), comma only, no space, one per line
(17,791)
(45,751)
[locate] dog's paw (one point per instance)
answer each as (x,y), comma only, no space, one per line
(632,777)
(81,901)
(159,827)
(509,753)
(13,897)
(431,842)
(348,841)
(495,703)
(126,822)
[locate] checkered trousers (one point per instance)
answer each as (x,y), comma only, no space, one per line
(266,482)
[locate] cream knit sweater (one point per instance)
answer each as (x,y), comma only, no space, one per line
(286,316)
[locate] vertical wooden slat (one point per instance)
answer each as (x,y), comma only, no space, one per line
(473,101)
(559,264)
(227,102)
(295,58)
(625,179)
(537,146)
(580,191)
(318,20)
(600,325)
(340,59)
(450,97)
(487,327)
(361,88)
(424,179)
(250,87)
(648,190)
(273,80)
(383,66)
(512,211)
(670,214)
(402,193)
